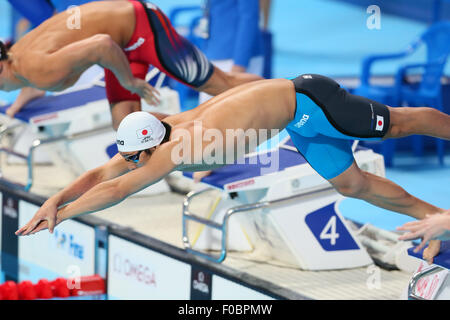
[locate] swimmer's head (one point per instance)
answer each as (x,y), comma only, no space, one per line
(137,159)
(137,132)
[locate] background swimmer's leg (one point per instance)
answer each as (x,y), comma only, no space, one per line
(221,81)
(121,109)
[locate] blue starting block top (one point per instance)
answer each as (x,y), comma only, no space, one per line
(442,259)
(51,104)
(251,167)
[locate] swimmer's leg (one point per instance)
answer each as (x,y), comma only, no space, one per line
(196,71)
(381,192)
(121,109)
(386,194)
(221,81)
(425,121)
(333,160)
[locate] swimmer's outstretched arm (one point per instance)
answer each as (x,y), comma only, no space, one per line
(110,191)
(48,211)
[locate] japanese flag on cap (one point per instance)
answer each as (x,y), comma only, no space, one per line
(139,131)
(144,132)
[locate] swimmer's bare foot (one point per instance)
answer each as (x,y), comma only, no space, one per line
(199,175)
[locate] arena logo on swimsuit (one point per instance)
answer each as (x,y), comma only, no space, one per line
(303,121)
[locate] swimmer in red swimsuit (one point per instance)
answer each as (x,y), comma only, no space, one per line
(125,38)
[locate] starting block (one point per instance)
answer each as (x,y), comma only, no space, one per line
(289,213)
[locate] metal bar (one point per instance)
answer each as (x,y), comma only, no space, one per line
(255,206)
(207,222)
(186,214)
(415,279)
(72,136)
(12,152)
(224,226)
(39,142)
(206,256)
(6,128)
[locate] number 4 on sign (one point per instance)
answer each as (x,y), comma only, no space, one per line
(329,232)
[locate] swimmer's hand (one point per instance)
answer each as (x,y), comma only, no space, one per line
(432,227)
(26,95)
(46,217)
(144,90)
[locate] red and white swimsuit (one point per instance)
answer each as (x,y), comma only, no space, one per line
(155,42)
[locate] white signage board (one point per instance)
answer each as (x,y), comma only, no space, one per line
(138,273)
(68,252)
(223,289)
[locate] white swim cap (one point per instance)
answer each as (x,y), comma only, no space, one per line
(139,131)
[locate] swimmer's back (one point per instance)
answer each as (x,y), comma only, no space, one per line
(115,18)
(264,104)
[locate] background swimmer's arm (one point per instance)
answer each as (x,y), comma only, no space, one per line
(26,95)
(50,70)
(75,58)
